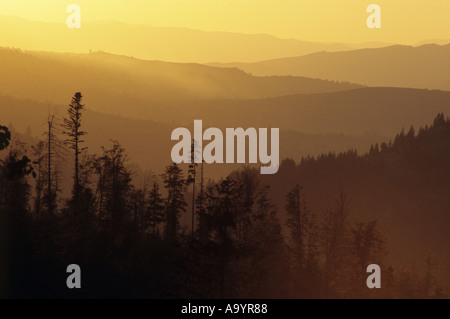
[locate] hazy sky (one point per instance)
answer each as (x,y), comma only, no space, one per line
(403,21)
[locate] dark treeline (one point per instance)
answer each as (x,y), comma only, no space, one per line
(134,242)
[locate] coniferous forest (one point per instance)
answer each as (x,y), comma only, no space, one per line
(180,234)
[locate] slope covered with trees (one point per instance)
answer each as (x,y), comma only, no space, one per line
(302,232)
(137,88)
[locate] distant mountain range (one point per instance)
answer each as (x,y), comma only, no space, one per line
(310,124)
(137,88)
(426,66)
(148,142)
(373,110)
(157,43)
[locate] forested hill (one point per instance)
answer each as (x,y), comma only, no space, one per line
(137,88)
(405,184)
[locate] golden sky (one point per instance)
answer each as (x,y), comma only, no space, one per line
(403,21)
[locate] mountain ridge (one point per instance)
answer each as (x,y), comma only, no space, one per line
(129,86)
(173,44)
(425,66)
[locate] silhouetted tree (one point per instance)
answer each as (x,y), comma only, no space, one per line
(175,184)
(264,206)
(266,258)
(49,173)
(296,211)
(192,172)
(14,187)
(138,203)
(155,209)
(72,128)
(439,120)
(246,183)
(204,221)
(224,207)
(334,242)
(50,196)
(114,187)
(38,152)
(5,137)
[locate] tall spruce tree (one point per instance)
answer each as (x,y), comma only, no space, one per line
(192,174)
(114,186)
(155,209)
(175,184)
(72,128)
(295,222)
